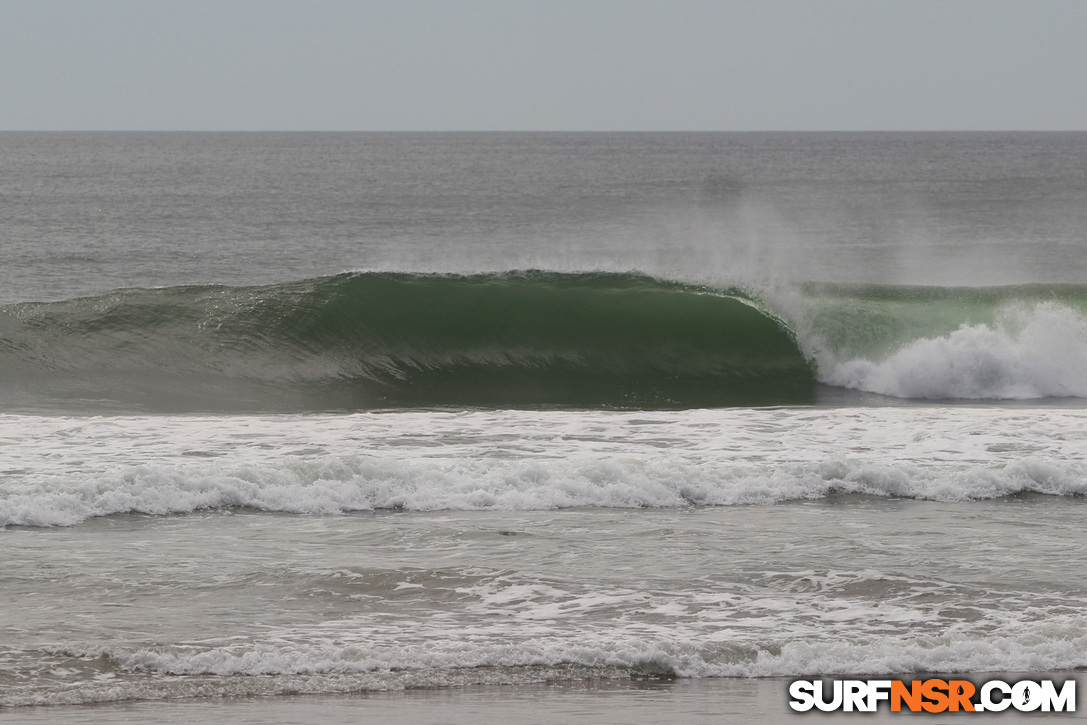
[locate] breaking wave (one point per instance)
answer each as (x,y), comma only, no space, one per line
(364,341)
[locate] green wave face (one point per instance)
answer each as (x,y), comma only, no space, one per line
(372,340)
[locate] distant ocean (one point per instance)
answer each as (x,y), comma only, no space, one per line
(316,414)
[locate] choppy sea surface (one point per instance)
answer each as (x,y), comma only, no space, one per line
(312,414)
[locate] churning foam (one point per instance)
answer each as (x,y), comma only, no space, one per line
(79,468)
(1030,352)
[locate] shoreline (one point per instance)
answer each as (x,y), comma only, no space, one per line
(759,701)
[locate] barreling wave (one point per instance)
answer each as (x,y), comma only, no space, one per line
(365,341)
(378,340)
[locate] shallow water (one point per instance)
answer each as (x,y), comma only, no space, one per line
(807,565)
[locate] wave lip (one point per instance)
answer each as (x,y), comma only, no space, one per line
(377,340)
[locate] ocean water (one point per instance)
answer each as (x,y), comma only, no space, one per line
(642,417)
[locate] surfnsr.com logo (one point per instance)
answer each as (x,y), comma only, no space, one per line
(932,695)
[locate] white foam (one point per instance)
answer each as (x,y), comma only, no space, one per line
(496,626)
(75,469)
(338,485)
(1030,352)
(1058,644)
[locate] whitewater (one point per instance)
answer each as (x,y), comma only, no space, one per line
(539,460)
(529,422)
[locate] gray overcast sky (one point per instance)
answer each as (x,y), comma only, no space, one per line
(543,65)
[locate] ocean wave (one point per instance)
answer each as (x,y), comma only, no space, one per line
(333,485)
(378,340)
(365,341)
(69,469)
